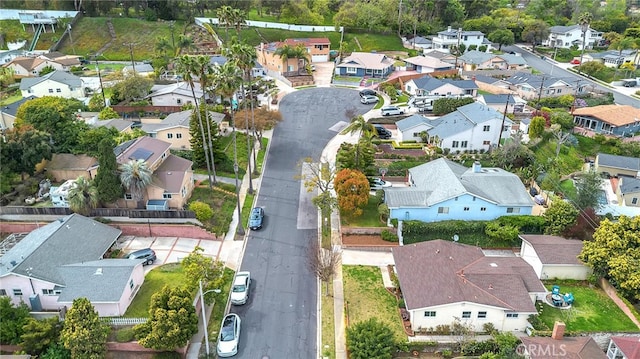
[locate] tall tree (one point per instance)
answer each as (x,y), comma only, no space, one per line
(352,189)
(535,32)
(502,37)
(83,196)
(135,176)
(621,44)
(107,180)
(323,262)
(358,126)
(360,156)
(198,267)
(172,320)
(263,119)
(40,334)
(14,318)
(204,71)
(22,148)
(285,52)
(559,216)
(84,334)
(225,18)
(588,190)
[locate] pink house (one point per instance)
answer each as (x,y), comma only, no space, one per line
(62,261)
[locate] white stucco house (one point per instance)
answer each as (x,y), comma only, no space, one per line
(425,65)
(471,127)
(178,94)
(452,37)
(566,36)
(431,86)
(443,280)
(56,83)
(57,263)
(553,257)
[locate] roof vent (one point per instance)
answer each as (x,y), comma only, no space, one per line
(98,271)
(14,263)
(450,258)
(437,251)
(490,286)
(493,265)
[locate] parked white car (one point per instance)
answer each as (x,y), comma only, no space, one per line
(240,290)
(378,183)
(229,336)
(391,111)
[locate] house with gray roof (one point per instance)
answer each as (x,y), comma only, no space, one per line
(140,69)
(118,124)
(177,94)
(502,102)
(442,280)
(476,60)
(471,127)
(56,83)
(174,128)
(365,64)
(57,263)
(628,191)
(530,86)
(445,190)
(566,36)
(8,113)
(554,257)
(614,165)
(420,42)
(431,86)
(444,40)
(613,58)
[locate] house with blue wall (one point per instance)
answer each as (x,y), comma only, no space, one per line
(445,190)
(365,64)
(617,120)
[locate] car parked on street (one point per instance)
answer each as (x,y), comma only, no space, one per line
(256,218)
(367,99)
(391,111)
(229,336)
(240,290)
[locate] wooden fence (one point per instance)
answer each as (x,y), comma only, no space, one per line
(97,212)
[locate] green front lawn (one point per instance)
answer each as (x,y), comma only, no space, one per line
(261,153)
(369,218)
(246,209)
(328,322)
(222,203)
(366,297)
(219,307)
(168,274)
(592,311)
(568,189)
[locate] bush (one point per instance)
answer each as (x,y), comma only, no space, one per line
(202,210)
(389,236)
(525,223)
(125,335)
(500,232)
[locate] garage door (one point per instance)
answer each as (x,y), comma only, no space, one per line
(319,58)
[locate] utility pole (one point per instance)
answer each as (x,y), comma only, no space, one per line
(399,17)
(540,91)
(133,64)
(104,99)
(458,48)
(504,117)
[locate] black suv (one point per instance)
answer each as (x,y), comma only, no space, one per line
(367,92)
(382,132)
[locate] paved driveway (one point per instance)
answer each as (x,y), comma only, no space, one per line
(168,249)
(323,73)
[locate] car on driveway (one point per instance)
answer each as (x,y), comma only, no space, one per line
(148,254)
(256,218)
(229,336)
(378,183)
(240,290)
(391,111)
(367,99)
(382,133)
(367,92)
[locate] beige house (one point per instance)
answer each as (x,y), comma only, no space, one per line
(8,113)
(317,48)
(554,257)
(31,66)
(476,60)
(628,191)
(614,165)
(56,83)
(66,166)
(174,129)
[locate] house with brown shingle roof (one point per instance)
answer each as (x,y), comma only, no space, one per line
(554,257)
(624,348)
(67,166)
(559,346)
(30,66)
(442,280)
(366,64)
(618,120)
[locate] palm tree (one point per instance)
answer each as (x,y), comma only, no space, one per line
(584,21)
(621,44)
(204,70)
(186,67)
(163,46)
(360,126)
(300,52)
(184,43)
(285,52)
(83,196)
(227,78)
(224,14)
(135,176)
(238,17)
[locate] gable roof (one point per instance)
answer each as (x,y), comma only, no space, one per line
(622,162)
(178,119)
(430,62)
(62,77)
(99,281)
(367,60)
(180,88)
(454,32)
(442,179)
(127,150)
(498,99)
(420,40)
(218,60)
(461,273)
(464,118)
(573,347)
(486,79)
(12,108)
(170,174)
(534,81)
(555,250)
(139,68)
(431,83)
(41,253)
(68,161)
(629,346)
(629,185)
(564,29)
(116,123)
(439,55)
(28,63)
(479,57)
(617,115)
(410,122)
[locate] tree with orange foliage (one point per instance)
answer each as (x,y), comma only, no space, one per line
(352,188)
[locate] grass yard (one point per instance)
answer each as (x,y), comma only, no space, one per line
(218,311)
(226,169)
(365,297)
(328,323)
(261,154)
(369,218)
(223,204)
(568,188)
(168,274)
(570,159)
(593,310)
(246,209)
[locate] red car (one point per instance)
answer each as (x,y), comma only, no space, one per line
(575,62)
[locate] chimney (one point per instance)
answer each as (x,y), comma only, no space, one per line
(558,331)
(477,167)
(449,29)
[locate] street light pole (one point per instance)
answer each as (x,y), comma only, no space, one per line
(204,315)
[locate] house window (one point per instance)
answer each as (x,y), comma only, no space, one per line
(513,210)
(454,144)
(486,142)
(164,155)
(466,209)
(634,201)
(3,292)
(169,135)
(184,191)
(429,313)
(483,209)
(128,196)
(178,135)
(50,90)
(512,315)
(482,315)
(166,195)
(58,90)
(464,144)
(466,315)
(444,210)
(485,128)
(179,101)
(51,291)
(352,70)
(131,284)
(17,292)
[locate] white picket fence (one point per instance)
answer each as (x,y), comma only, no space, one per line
(125,321)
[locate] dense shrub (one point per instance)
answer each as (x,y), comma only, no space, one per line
(202,210)
(444,106)
(525,224)
(389,236)
(505,233)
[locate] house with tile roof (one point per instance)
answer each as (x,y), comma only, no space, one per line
(172,180)
(318,49)
(442,280)
(566,36)
(56,83)
(8,112)
(174,128)
(431,86)
(425,65)
(365,64)
(623,348)
(445,190)
(553,257)
(617,120)
(559,346)
(530,86)
(444,40)
(470,127)
(56,263)
(476,60)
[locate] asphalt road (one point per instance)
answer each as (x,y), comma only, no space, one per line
(279,321)
(548,68)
